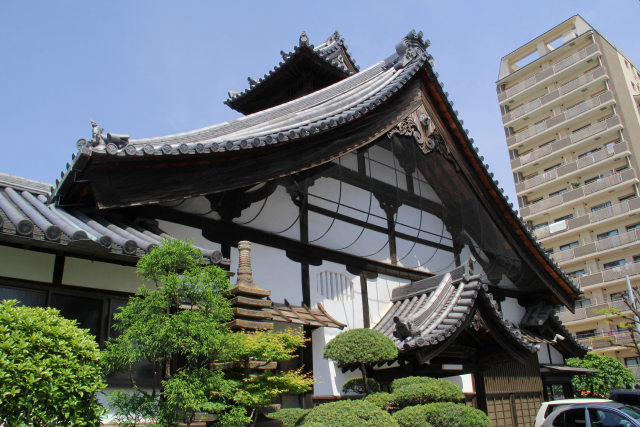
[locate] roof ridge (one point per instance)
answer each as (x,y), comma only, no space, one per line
(18,182)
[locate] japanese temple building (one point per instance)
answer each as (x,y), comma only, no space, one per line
(366,204)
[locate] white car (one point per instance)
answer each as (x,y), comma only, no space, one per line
(548,407)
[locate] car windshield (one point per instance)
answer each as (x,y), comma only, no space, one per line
(632,411)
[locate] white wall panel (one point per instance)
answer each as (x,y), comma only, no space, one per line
(512,311)
(100,275)
(25,264)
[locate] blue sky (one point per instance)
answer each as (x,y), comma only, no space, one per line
(152,67)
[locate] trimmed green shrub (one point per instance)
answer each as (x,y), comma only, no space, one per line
(290,417)
(356,385)
(442,414)
(412,416)
(380,400)
(362,347)
(428,392)
(49,369)
(401,382)
(455,415)
(348,413)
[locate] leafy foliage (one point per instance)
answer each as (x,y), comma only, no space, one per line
(49,369)
(401,382)
(130,409)
(348,413)
(380,400)
(357,346)
(435,390)
(362,347)
(290,417)
(357,386)
(180,328)
(442,414)
(612,375)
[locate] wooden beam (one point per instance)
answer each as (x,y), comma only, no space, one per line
(364,292)
(229,232)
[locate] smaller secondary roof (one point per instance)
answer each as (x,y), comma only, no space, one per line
(304,70)
(27,217)
(303,315)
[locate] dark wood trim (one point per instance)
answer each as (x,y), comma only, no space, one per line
(231,233)
(304,238)
(481,394)
(58,270)
(377,228)
(364,292)
(45,286)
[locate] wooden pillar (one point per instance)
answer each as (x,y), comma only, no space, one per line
(390,209)
(481,394)
(364,292)
(58,270)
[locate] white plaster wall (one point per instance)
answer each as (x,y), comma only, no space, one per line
(100,275)
(511,310)
(277,215)
(465,382)
(379,290)
(543,354)
(556,356)
(25,264)
(180,231)
(328,378)
(381,164)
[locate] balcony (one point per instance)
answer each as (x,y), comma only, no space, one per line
(599,215)
(597,246)
(566,169)
(631,269)
(591,311)
(560,146)
(608,339)
(554,69)
(567,88)
(552,122)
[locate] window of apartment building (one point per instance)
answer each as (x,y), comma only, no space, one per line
(617,296)
(547,143)
(636,258)
(577,273)
(530,202)
(555,193)
(586,334)
(600,206)
(537,226)
(622,168)
(590,152)
(569,245)
(550,168)
(613,264)
(632,361)
(564,218)
(583,302)
(548,251)
(609,233)
(593,179)
(633,226)
(581,128)
(625,198)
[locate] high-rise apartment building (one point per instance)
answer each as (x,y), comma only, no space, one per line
(570,104)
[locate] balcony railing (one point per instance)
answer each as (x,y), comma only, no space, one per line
(568,168)
(553,95)
(597,246)
(569,196)
(548,72)
(560,118)
(590,218)
(607,339)
(579,136)
(591,311)
(630,269)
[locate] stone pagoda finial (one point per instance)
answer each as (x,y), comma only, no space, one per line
(245,273)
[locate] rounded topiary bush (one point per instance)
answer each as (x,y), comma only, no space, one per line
(290,417)
(357,386)
(380,400)
(348,413)
(428,392)
(49,369)
(401,382)
(412,416)
(455,415)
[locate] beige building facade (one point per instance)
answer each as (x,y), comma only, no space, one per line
(570,103)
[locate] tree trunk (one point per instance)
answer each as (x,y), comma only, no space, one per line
(365,383)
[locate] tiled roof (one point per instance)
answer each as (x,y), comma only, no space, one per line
(26,213)
(331,52)
(315,113)
(436,310)
(303,315)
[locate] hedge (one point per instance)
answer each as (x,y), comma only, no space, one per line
(427,392)
(290,417)
(442,414)
(401,382)
(348,413)
(380,400)
(356,385)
